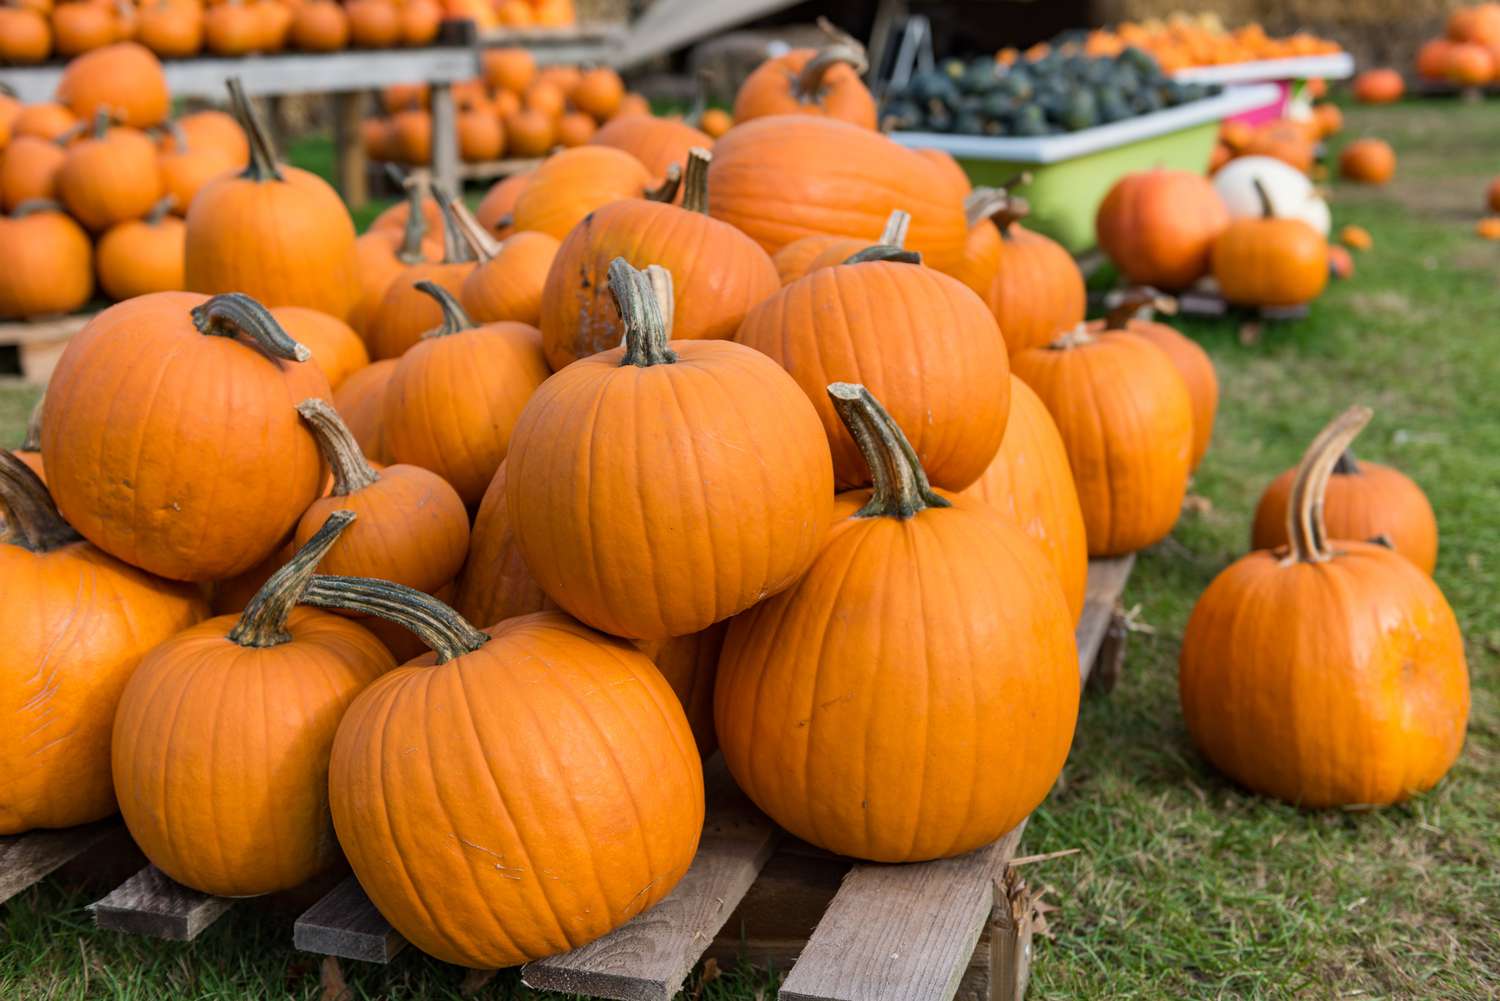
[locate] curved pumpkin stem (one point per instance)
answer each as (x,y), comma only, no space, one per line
(843,50)
(447,633)
(415,229)
(352,472)
(263,622)
(1133,301)
(481,244)
(33,440)
(455,320)
(159,211)
(234,314)
(31,518)
(900,483)
(455,248)
(666,191)
(1304,512)
(998,206)
(263,165)
(695,180)
(639,296)
(892,243)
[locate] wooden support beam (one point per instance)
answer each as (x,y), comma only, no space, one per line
(349,164)
(151,903)
(27,859)
(347,925)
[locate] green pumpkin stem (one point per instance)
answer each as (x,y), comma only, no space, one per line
(1305,529)
(1347,465)
(352,472)
(159,211)
(900,483)
(695,180)
(891,245)
(843,50)
(235,314)
(455,320)
(33,440)
(455,247)
(414,231)
(666,191)
(31,518)
(263,622)
(31,206)
(640,296)
(1267,210)
(1132,301)
(446,632)
(263,165)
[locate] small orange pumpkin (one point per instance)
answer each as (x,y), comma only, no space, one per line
(49,263)
(141,256)
(1270,261)
(1368,161)
(529,133)
(494,584)
(373,24)
(659,143)
(187,166)
(598,93)
(405,313)
(822,82)
(47,120)
(25,36)
(333,345)
(320,26)
(1379,86)
(125,77)
(494,211)
(1159,226)
(509,68)
(28,170)
(360,401)
(110,176)
(1031,283)
(571,184)
(172,29)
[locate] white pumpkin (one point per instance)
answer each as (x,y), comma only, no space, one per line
(1292,195)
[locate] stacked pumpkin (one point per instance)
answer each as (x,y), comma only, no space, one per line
(1183,40)
(96,184)
(1468,53)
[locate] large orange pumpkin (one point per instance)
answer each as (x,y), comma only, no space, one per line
(789,176)
(822,81)
(659,143)
(49,264)
(142,256)
(109,176)
(1159,226)
(951,627)
(76,622)
(718,273)
(125,78)
(1270,261)
(571,184)
(157,404)
(1127,422)
(253,702)
(1032,285)
(714,490)
(276,233)
(689,663)
(546,816)
(1328,673)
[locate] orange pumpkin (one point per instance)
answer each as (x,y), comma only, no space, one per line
(1035,289)
(320,26)
(571,184)
(652,543)
(495,209)
(25,36)
(411,136)
(598,93)
(1488,228)
(510,68)
(1159,226)
(405,313)
(80,27)
(545,98)
(110,176)
(171,29)
(1126,420)
(494,584)
(951,625)
(714,121)
(802,257)
(1329,673)
(481,137)
(373,24)
(232,28)
(1470,65)
(125,77)
(689,663)
(47,120)
(420,21)
(508,284)
(360,401)
(186,166)
(210,128)
(49,263)
(1286,141)
(575,129)
(142,256)
(954,174)
(529,133)
(1379,86)
(132,484)
(332,344)
(28,170)
(659,143)
(77,623)
(1367,161)
(385,252)
(1329,119)
(1270,261)
(823,82)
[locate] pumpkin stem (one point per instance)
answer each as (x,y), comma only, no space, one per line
(900,483)
(666,191)
(31,518)
(263,165)
(234,314)
(896,226)
(415,230)
(881,252)
(455,247)
(1132,301)
(455,320)
(263,622)
(446,632)
(159,211)
(1267,211)
(843,50)
(639,296)
(701,80)
(1346,466)
(103,119)
(481,244)
(998,206)
(179,137)
(352,472)
(31,206)
(1304,513)
(1070,339)
(695,180)
(33,440)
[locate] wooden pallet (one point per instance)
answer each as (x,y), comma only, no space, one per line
(40,342)
(845,930)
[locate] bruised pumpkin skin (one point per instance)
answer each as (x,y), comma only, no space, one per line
(76,623)
(1329,673)
(913,695)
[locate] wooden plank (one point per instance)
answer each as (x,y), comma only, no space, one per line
(901,931)
(27,859)
(150,903)
(648,958)
(1010,934)
(444,138)
(347,925)
(349,164)
(1106,583)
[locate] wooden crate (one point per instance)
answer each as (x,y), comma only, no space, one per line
(40,342)
(956,927)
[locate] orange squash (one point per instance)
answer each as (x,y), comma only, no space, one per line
(659,143)
(598,93)
(78,28)
(125,77)
(49,263)
(186,166)
(320,26)
(25,36)
(481,137)
(494,211)
(1289,142)
(1270,261)
(1159,226)
(689,663)
(142,256)
(28,170)
(172,29)
(110,176)
(47,120)
(210,128)
(494,584)
(332,344)
(360,401)
(575,129)
(232,28)
(509,68)
(1031,284)
(801,257)
(507,284)
(1379,86)
(420,21)
(405,313)
(373,24)
(571,184)
(823,82)
(529,133)
(384,253)
(1368,161)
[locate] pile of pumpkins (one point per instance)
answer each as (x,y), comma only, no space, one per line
(1468,53)
(1297,141)
(1182,41)
(802,458)
(35,30)
(95,184)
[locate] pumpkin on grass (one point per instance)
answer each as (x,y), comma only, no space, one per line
(823,81)
(513,837)
(1032,285)
(109,176)
(276,233)
(76,622)
(157,403)
(455,398)
(494,584)
(1368,161)
(1379,86)
(1331,672)
(1270,261)
(142,256)
(718,273)
(918,337)
(125,78)
(951,627)
(1126,420)
(1159,226)
(252,701)
(656,489)
(49,263)
(360,401)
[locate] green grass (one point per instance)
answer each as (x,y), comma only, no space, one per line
(1185,886)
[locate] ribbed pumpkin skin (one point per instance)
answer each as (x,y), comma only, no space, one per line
(360,401)
(1030,483)
(124,77)
(285,243)
(336,349)
(771,89)
(1127,423)
(781,178)
(405,313)
(147,420)
(494,584)
(659,143)
(28,170)
(918,340)
(718,274)
(796,259)
(76,622)
(1197,371)
(689,663)
(653,502)
(453,403)
(571,184)
(1378,500)
(1326,684)
(590,831)
(509,285)
(869,708)
(1037,291)
(221,751)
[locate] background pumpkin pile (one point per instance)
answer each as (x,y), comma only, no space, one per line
(647,476)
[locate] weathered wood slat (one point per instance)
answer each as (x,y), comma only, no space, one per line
(151,903)
(648,958)
(27,859)
(347,925)
(1106,583)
